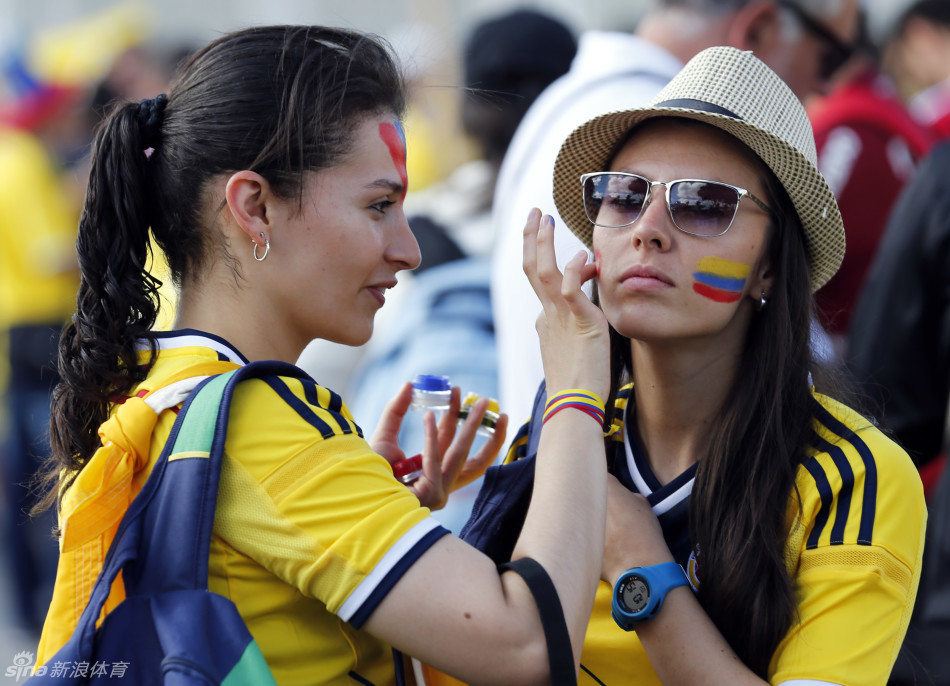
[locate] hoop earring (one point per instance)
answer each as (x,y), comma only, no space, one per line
(763,301)
(266,248)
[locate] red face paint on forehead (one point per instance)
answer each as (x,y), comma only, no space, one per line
(395,139)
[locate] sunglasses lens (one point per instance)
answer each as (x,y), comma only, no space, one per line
(704,208)
(614,200)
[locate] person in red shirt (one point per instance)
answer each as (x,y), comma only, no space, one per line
(868,147)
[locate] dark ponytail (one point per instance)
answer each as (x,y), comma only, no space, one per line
(117,300)
(278,100)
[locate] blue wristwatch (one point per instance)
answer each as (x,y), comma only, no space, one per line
(639,592)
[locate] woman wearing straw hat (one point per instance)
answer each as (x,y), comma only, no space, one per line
(757,528)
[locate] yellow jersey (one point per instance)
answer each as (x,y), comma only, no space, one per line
(311,528)
(853,554)
(39,273)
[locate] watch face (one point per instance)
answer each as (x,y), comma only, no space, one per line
(634,594)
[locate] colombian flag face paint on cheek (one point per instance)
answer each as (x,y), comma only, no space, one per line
(395,139)
(720,280)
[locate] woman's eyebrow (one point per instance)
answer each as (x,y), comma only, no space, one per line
(392,186)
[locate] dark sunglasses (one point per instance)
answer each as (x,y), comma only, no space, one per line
(836,51)
(697,207)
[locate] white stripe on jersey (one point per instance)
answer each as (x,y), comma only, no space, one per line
(808,682)
(667,503)
(367,586)
(186,340)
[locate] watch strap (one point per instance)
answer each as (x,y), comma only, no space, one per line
(671,576)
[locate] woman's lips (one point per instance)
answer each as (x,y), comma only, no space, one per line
(645,278)
(378,291)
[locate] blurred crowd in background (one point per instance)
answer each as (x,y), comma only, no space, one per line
(879,131)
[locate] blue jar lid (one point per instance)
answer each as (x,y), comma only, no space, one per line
(430,382)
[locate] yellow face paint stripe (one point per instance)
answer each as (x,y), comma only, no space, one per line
(723,267)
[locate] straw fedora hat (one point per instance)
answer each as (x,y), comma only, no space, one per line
(734,91)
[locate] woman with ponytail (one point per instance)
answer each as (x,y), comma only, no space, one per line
(758,530)
(272,176)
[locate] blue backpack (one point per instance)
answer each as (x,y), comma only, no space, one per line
(170,629)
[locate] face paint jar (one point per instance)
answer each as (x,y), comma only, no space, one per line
(489,419)
(408,470)
(430,392)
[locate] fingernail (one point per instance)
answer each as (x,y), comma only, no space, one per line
(549,220)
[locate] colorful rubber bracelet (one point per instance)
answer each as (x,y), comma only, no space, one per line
(579,399)
(576,396)
(586,409)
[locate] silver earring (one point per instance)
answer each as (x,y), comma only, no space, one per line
(266,248)
(763,301)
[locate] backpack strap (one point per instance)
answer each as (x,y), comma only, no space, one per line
(163,541)
(560,652)
(102,491)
